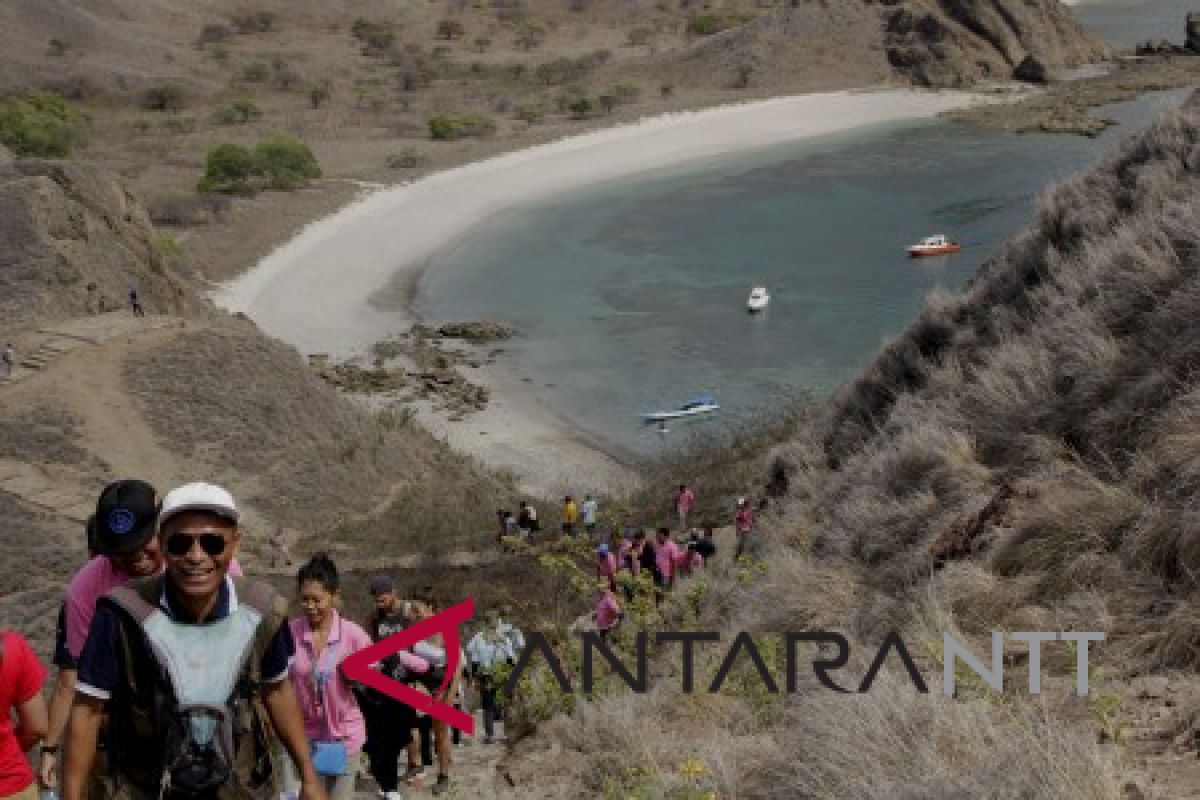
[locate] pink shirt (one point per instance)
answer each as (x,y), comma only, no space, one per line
(606,565)
(94,580)
(665,555)
(743,520)
(608,611)
(685,500)
(345,720)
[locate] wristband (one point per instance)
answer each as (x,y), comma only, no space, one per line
(49,749)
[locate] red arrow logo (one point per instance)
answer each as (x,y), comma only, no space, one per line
(357,667)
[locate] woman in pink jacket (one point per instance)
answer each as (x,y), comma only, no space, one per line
(332,720)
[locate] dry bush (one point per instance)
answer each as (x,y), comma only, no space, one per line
(242,406)
(895,743)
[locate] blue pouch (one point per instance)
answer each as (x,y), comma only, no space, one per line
(329,758)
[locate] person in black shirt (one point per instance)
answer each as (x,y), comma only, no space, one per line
(389,722)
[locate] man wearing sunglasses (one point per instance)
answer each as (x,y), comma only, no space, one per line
(178,660)
(121,531)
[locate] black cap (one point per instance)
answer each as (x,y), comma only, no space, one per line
(125,517)
(381,584)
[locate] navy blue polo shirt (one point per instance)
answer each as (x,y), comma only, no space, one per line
(100,663)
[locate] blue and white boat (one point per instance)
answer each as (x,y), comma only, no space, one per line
(702,404)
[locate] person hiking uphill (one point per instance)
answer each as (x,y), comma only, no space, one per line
(389,722)
(21,677)
(181,663)
(122,532)
(332,719)
(488,650)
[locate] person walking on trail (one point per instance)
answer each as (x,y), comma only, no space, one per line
(280,552)
(606,565)
(683,500)
(135,304)
(122,532)
(590,511)
(21,677)
(332,719)
(9,359)
(570,516)
(527,521)
(743,526)
(389,722)
(608,613)
(487,650)
(185,665)
(433,650)
(666,553)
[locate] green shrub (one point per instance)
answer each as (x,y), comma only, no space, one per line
(167,97)
(41,125)
(279,162)
(238,112)
(256,72)
(705,25)
(408,158)
(458,126)
(228,168)
(580,106)
(318,93)
(285,162)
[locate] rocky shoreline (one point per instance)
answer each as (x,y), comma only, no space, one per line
(1066,106)
(423,363)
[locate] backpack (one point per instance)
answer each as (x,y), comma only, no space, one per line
(182,729)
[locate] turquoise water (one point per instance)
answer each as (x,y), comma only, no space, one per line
(630,297)
(1126,23)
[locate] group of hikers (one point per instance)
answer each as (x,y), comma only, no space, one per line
(180,677)
(619,562)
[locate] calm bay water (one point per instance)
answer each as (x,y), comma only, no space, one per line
(1126,23)
(630,296)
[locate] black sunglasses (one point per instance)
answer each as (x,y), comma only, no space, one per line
(180,544)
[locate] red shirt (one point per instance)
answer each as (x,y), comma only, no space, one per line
(21,677)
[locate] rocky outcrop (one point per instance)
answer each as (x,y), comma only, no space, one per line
(75,241)
(808,45)
(476,331)
(1031,70)
(962,42)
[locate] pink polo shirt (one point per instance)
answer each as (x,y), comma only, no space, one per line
(608,611)
(345,720)
(664,557)
(95,579)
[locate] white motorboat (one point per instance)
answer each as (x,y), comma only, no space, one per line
(758,299)
(694,407)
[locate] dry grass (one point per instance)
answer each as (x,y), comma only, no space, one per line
(1048,413)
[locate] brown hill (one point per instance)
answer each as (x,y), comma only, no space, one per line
(940,43)
(184,393)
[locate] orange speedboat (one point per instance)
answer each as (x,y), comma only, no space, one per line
(934,246)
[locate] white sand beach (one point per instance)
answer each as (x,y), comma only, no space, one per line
(315,291)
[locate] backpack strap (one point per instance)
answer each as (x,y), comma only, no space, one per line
(138,598)
(273,608)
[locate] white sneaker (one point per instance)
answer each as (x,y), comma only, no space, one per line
(392,796)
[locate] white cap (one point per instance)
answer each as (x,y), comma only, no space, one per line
(197,497)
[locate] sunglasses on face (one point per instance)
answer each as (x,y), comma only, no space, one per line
(180,544)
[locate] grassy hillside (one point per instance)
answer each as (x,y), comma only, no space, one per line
(1022,458)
